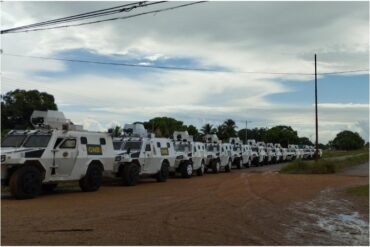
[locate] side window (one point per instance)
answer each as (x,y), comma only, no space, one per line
(222,149)
(59,140)
(198,147)
(83,140)
(102,141)
(147,148)
(69,143)
(158,144)
(168,145)
(195,149)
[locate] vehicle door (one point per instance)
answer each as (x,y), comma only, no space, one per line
(65,155)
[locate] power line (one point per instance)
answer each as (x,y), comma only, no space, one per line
(105,20)
(182,68)
(88,15)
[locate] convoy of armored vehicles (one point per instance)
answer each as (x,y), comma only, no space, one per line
(57,150)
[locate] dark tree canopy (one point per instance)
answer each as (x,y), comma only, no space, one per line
(208,129)
(18,105)
(304,141)
(282,134)
(164,126)
(348,140)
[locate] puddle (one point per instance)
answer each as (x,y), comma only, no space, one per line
(327,221)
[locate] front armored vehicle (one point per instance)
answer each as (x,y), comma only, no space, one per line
(143,156)
(55,151)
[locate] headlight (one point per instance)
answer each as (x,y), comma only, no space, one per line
(118,158)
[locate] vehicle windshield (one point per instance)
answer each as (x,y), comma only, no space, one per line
(37,141)
(117,145)
(132,145)
(182,147)
(13,141)
(213,147)
(255,149)
(236,148)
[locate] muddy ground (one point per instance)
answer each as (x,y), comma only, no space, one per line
(255,206)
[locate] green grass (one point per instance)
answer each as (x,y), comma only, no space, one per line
(338,153)
(323,166)
(362,190)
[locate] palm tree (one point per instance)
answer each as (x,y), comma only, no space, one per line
(208,129)
(229,128)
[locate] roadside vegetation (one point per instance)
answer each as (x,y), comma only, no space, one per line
(362,190)
(338,153)
(323,166)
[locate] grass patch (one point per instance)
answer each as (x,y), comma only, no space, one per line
(362,190)
(323,166)
(338,153)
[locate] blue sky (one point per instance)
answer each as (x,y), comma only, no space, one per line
(244,39)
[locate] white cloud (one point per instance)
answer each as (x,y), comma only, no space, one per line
(240,36)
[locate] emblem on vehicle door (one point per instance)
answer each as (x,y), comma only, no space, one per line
(65,154)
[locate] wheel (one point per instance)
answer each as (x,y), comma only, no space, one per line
(25,183)
(239,164)
(186,169)
(216,166)
(163,174)
(228,166)
(200,171)
(130,174)
(92,179)
(47,188)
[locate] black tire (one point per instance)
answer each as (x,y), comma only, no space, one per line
(130,174)
(201,170)
(228,167)
(186,169)
(163,174)
(92,179)
(25,183)
(215,166)
(48,188)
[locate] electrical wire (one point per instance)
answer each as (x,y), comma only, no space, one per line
(184,68)
(105,20)
(88,15)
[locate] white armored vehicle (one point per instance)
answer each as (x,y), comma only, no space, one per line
(247,155)
(271,152)
(141,155)
(297,150)
(237,152)
(55,151)
(263,153)
(218,156)
(189,155)
(279,153)
(257,153)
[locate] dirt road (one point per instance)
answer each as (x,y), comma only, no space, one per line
(254,206)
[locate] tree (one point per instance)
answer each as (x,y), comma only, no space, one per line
(192,130)
(164,126)
(304,141)
(258,134)
(348,140)
(282,134)
(226,130)
(17,107)
(208,129)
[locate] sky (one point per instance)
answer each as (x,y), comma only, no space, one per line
(230,38)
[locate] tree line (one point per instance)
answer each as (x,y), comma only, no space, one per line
(18,105)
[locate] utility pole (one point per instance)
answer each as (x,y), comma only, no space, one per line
(316,117)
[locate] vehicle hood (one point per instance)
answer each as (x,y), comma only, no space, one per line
(12,150)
